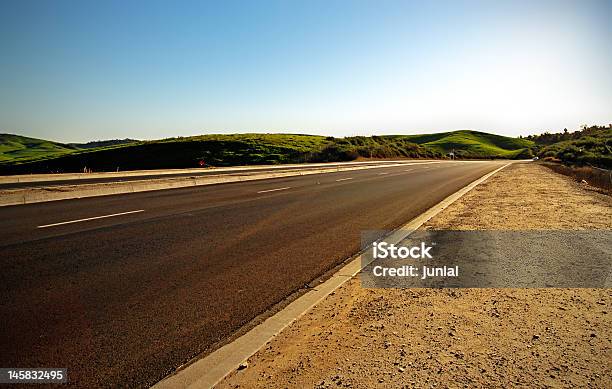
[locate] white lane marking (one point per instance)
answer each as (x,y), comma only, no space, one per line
(408,170)
(89,218)
(274,190)
(380,174)
(344,179)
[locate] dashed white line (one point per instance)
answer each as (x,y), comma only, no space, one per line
(380,174)
(408,170)
(273,190)
(89,218)
(344,179)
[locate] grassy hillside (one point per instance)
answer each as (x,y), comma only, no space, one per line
(474,144)
(215,150)
(246,149)
(14,148)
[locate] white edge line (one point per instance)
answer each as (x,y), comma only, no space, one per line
(344,179)
(89,218)
(273,190)
(210,370)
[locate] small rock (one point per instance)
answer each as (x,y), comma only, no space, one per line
(401,370)
(536,337)
(243,365)
(593,335)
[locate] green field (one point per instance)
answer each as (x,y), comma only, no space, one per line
(26,155)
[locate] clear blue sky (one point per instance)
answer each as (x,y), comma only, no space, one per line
(82,70)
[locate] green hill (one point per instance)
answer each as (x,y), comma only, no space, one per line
(247,149)
(15,147)
(215,150)
(475,144)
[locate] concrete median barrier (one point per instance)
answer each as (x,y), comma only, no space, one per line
(169,172)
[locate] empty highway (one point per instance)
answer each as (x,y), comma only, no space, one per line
(124,289)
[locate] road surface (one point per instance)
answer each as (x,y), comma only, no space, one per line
(123,289)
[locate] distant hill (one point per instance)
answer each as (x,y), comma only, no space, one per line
(103,143)
(475,144)
(247,149)
(16,147)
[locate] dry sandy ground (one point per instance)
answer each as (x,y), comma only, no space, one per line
(458,337)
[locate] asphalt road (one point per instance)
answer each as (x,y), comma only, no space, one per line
(205,172)
(124,300)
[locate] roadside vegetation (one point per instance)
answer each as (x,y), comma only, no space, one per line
(593,176)
(248,149)
(584,155)
(590,146)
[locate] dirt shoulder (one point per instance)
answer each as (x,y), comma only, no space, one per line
(458,337)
